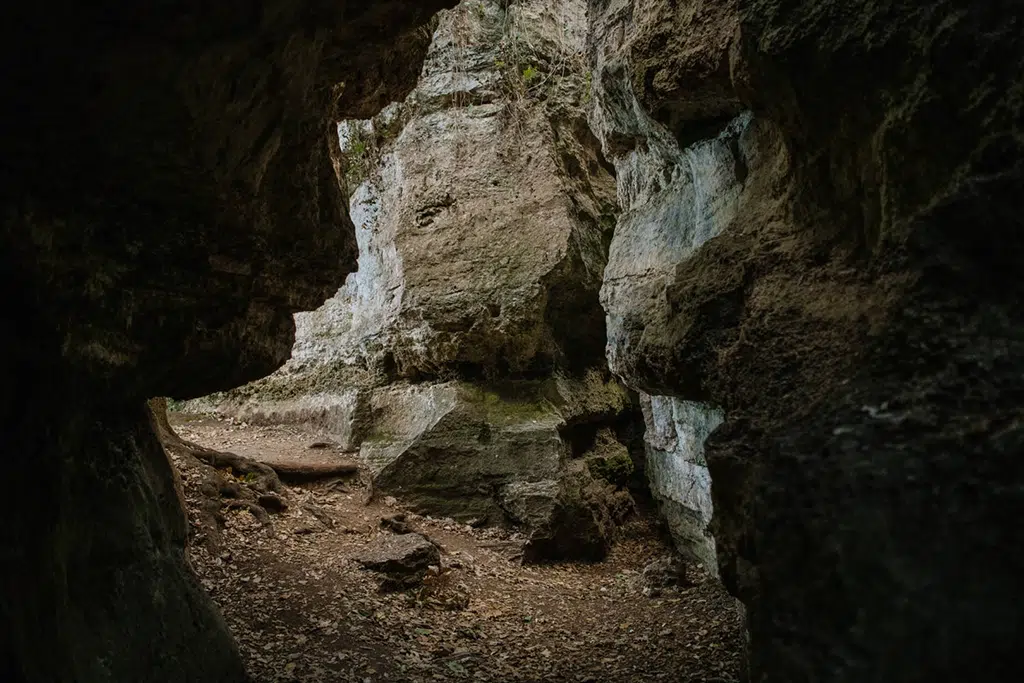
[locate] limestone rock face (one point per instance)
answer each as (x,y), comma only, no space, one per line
(678,473)
(464,359)
(483,209)
(169,200)
(446,448)
(674,198)
(821,221)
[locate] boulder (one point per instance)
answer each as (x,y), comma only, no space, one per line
(397,523)
(665,572)
(573,518)
(403,559)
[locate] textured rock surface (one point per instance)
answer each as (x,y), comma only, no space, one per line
(467,352)
(678,473)
(483,209)
(447,448)
(674,198)
(169,200)
(844,290)
(504,452)
(402,558)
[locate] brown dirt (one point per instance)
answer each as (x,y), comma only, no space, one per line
(303,610)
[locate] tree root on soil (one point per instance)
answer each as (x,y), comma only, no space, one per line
(231,482)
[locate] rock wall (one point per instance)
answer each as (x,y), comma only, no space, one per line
(674,198)
(464,359)
(833,271)
(484,209)
(169,201)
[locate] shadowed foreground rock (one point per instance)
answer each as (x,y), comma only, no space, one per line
(823,240)
(169,200)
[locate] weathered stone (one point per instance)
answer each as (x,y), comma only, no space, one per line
(402,558)
(573,518)
(492,266)
(467,351)
(398,523)
(609,459)
(169,201)
(665,572)
(483,211)
(835,270)
(678,473)
(494,454)
(444,449)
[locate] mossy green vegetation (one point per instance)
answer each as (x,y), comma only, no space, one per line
(510,404)
(615,469)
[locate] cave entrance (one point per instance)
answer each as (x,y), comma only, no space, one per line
(445,481)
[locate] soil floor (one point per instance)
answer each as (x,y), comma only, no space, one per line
(302,609)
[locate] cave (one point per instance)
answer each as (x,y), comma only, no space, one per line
(763,252)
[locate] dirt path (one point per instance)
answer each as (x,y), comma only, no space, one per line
(303,610)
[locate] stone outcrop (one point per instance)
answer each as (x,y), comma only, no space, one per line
(674,197)
(820,230)
(464,360)
(170,199)
(484,210)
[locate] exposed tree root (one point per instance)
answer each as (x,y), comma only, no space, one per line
(231,482)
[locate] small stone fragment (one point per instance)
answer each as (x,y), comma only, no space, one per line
(665,572)
(397,523)
(402,558)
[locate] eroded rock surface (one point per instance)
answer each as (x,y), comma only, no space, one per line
(678,472)
(674,197)
(821,213)
(464,360)
(169,201)
(483,209)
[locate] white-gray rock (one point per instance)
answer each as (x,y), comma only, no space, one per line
(672,201)
(677,472)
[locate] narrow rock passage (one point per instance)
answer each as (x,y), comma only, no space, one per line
(302,609)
